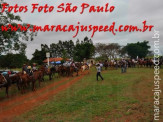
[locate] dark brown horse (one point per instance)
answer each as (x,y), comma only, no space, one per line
(25,82)
(15,79)
(46,71)
(38,75)
(5,82)
(62,70)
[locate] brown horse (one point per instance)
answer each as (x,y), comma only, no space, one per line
(16,79)
(141,63)
(25,82)
(46,71)
(70,70)
(38,75)
(5,82)
(62,70)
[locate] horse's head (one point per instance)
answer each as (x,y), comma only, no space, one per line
(2,79)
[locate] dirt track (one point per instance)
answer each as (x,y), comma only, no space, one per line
(23,103)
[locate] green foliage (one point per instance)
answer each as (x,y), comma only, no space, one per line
(39,56)
(102,58)
(62,49)
(66,49)
(12,40)
(140,49)
(13,60)
(64,55)
(83,49)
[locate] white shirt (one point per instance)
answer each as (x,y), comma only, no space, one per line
(98,69)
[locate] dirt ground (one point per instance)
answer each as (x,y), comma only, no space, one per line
(19,104)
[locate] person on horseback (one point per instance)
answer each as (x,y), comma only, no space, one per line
(73,64)
(34,68)
(99,72)
(24,69)
(30,72)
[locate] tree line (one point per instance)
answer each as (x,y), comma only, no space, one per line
(84,49)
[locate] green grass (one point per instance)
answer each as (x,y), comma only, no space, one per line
(87,99)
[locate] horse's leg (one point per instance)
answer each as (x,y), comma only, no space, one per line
(50,77)
(33,85)
(17,83)
(23,88)
(28,84)
(42,77)
(77,73)
(7,87)
(39,80)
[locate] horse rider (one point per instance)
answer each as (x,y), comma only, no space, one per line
(34,68)
(24,69)
(73,64)
(30,72)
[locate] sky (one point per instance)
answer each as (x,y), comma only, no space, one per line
(126,12)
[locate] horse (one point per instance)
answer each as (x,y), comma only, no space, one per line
(25,81)
(16,79)
(62,70)
(71,70)
(106,65)
(112,64)
(46,71)
(85,67)
(5,82)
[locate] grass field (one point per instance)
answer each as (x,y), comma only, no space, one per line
(119,98)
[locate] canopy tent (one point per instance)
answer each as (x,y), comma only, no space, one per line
(57,62)
(54,60)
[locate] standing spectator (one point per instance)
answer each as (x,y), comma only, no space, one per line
(122,65)
(116,64)
(125,66)
(101,65)
(99,72)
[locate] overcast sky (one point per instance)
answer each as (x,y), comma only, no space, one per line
(131,12)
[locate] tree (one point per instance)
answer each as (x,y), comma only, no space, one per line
(101,49)
(83,49)
(12,40)
(140,49)
(39,56)
(13,60)
(62,48)
(111,50)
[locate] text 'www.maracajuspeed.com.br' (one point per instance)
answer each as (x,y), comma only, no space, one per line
(78,28)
